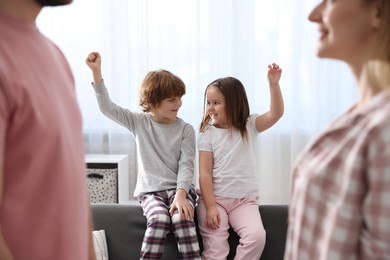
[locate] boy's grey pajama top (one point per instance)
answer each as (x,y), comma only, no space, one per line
(165,152)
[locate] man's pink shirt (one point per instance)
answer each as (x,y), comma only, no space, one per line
(44,204)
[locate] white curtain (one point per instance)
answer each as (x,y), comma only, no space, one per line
(201,40)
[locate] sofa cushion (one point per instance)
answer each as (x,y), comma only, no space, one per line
(125,225)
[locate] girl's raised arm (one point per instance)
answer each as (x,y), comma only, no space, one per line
(268,119)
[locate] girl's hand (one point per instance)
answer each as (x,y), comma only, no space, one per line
(274,74)
(213,218)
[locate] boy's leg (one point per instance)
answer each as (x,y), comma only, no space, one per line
(215,242)
(156,212)
(185,232)
(186,237)
(249,228)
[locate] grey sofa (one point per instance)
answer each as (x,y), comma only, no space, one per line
(124,225)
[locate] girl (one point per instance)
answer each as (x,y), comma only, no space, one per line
(340,200)
(228,182)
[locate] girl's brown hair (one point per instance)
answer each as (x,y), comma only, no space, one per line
(236,104)
(157,86)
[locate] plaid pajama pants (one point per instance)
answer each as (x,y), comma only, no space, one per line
(159,223)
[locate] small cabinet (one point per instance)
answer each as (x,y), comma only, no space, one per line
(108,177)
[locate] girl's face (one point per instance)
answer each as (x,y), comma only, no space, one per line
(166,112)
(346,28)
(216,107)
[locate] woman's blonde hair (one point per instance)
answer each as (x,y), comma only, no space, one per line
(379,67)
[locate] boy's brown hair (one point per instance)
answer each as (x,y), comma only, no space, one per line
(157,86)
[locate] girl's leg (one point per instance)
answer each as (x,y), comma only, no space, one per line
(185,233)
(249,228)
(158,224)
(215,242)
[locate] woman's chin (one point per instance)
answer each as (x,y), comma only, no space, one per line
(322,52)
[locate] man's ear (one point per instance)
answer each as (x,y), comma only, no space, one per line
(376,13)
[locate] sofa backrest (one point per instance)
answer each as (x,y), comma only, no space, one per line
(124,225)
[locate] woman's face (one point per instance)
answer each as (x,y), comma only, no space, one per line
(346,29)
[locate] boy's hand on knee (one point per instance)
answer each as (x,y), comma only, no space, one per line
(185,211)
(181,204)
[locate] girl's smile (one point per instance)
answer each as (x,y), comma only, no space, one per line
(216,107)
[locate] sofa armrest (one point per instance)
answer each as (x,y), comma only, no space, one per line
(124,225)
(275,223)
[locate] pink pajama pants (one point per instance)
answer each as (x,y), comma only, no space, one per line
(244,217)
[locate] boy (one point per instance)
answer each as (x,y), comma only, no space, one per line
(166,152)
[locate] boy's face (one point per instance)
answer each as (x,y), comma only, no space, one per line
(166,111)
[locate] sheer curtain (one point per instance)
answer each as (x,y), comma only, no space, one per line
(201,40)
